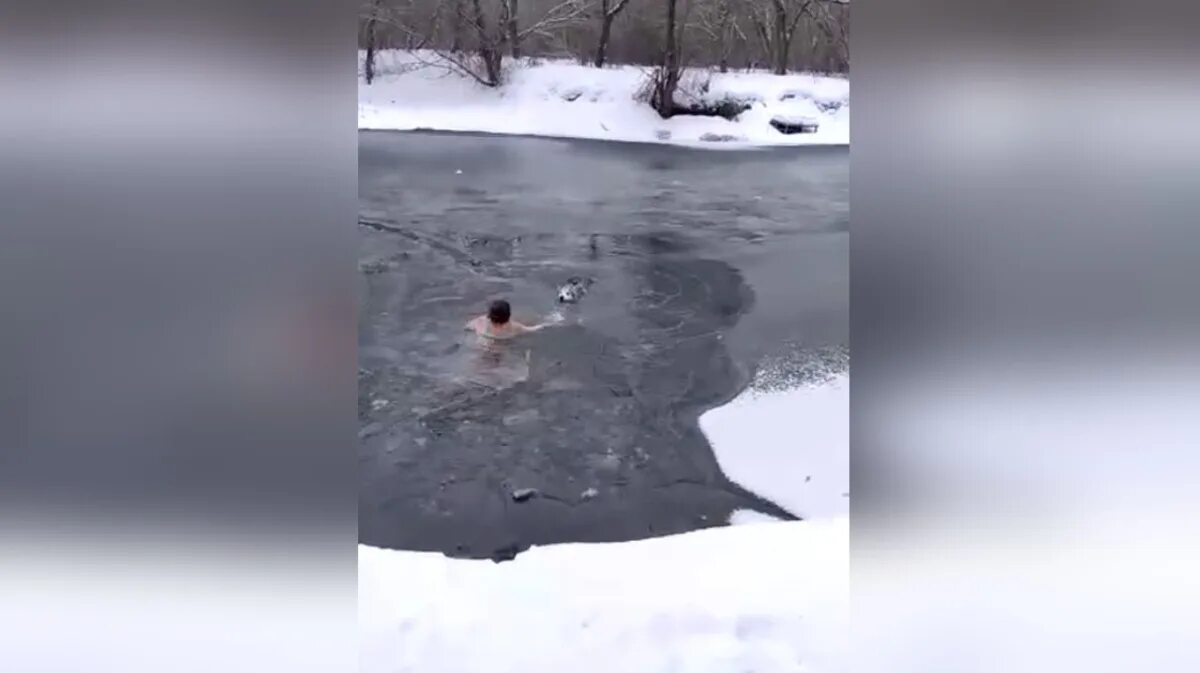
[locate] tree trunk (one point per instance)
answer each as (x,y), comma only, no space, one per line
(724,21)
(668,77)
(608,14)
(456,26)
(779,37)
(489,51)
(605,34)
(514,33)
(480,22)
(492,62)
(369,61)
(669,59)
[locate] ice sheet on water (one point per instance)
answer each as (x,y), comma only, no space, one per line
(787,437)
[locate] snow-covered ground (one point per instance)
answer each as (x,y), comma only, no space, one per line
(568,100)
(773,600)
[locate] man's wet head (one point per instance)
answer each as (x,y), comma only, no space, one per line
(499,312)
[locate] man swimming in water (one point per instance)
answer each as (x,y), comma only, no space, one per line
(498,324)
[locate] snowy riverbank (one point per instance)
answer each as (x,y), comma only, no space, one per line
(770,598)
(568,100)
(762,596)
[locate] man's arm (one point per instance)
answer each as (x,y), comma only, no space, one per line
(554,320)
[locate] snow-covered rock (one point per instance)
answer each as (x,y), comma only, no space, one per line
(721,138)
(790,124)
(523,494)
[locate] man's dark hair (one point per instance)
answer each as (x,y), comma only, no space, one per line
(499,312)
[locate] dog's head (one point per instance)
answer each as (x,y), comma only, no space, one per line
(573,289)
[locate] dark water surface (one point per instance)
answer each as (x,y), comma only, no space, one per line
(705,262)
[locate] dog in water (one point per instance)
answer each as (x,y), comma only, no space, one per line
(573,290)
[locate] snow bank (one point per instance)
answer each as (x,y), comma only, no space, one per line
(790,446)
(564,99)
(769,598)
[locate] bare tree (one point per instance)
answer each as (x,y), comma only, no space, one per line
(457,11)
(833,18)
(474,37)
(489,50)
(377,19)
(725,29)
(371,31)
(420,23)
(775,22)
(510,9)
(608,13)
(495,34)
(399,17)
(665,78)
(717,21)
(557,19)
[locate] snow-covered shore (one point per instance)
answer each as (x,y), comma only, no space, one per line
(759,595)
(773,600)
(568,100)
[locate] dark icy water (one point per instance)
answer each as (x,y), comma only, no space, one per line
(704,264)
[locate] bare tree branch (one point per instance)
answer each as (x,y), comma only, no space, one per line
(558,16)
(616,9)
